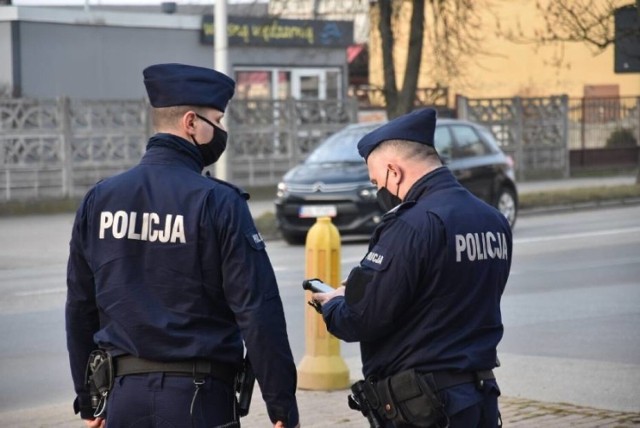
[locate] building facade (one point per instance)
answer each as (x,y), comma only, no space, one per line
(501,66)
(100,54)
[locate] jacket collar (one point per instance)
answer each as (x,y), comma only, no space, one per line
(170,149)
(439,178)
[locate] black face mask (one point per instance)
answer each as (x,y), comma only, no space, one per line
(385,198)
(211,152)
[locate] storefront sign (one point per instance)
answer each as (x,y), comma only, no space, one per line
(280,32)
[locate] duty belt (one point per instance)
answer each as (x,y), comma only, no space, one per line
(127,365)
(446,379)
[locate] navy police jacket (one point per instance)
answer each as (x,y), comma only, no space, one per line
(427,294)
(166,264)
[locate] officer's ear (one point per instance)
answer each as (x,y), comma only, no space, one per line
(396,173)
(188,122)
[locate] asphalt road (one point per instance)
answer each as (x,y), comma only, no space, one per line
(571,309)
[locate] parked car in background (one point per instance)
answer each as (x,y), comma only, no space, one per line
(334,181)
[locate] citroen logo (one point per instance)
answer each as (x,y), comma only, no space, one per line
(317,187)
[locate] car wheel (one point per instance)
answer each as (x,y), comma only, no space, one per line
(294,238)
(507,205)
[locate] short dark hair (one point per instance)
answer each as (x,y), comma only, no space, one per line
(170,115)
(411,149)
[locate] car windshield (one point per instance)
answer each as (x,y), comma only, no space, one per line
(340,147)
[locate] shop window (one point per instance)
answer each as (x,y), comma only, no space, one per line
(253,84)
(309,87)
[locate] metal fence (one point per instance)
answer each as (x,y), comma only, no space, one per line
(593,121)
(544,135)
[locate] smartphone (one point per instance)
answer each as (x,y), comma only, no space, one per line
(316,286)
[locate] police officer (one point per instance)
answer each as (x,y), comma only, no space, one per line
(169,275)
(424,302)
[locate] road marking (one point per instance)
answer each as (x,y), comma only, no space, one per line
(567,267)
(576,235)
(39,292)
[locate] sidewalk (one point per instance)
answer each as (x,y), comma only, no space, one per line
(574,183)
(328,409)
(319,409)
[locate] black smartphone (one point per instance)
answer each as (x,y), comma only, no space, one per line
(316,286)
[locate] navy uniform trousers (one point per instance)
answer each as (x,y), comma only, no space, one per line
(158,400)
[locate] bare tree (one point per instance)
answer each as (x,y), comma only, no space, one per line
(583,21)
(444,35)
(400,101)
(590,22)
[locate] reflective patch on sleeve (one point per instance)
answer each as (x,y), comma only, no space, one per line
(377,259)
(255,240)
(356,284)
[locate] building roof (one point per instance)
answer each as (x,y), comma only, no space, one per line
(185,16)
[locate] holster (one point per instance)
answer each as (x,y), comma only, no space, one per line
(245,381)
(99,376)
(364,399)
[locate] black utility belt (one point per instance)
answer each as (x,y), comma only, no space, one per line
(446,379)
(128,365)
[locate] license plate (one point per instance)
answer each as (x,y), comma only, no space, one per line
(309,211)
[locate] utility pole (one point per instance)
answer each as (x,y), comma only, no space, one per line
(221,64)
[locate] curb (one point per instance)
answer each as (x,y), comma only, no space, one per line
(524,212)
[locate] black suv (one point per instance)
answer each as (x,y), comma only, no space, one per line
(333,181)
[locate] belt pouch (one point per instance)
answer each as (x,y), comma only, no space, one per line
(408,399)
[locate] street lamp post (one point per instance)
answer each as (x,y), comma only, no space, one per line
(221,63)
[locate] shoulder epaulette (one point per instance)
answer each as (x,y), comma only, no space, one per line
(240,191)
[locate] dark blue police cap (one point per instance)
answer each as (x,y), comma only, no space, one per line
(180,84)
(417,126)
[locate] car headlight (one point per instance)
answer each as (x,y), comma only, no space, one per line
(368,193)
(281,189)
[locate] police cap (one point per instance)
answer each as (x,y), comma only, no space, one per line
(180,84)
(417,126)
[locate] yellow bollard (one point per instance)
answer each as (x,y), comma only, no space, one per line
(322,367)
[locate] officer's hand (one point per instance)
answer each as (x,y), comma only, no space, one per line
(323,298)
(95,423)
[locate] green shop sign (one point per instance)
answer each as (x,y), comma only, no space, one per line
(280,32)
